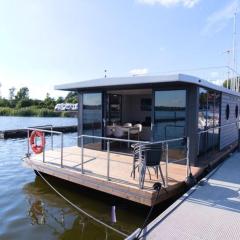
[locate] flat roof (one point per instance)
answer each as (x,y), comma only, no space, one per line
(141,80)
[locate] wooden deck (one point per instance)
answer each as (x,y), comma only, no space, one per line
(121,184)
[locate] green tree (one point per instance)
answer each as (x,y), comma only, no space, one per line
(228,82)
(23,93)
(72,97)
(49,102)
(24,103)
(12,93)
(4,102)
(60,100)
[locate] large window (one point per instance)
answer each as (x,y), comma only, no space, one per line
(169,114)
(114,111)
(92,117)
(208,119)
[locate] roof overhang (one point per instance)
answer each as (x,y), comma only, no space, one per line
(136,81)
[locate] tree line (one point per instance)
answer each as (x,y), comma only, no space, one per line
(20,104)
(21,99)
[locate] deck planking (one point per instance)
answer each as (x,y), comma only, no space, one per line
(121,183)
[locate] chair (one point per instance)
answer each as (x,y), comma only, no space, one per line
(137,128)
(119,132)
(109,131)
(127,125)
(151,156)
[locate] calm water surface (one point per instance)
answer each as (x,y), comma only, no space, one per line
(31,210)
(7,123)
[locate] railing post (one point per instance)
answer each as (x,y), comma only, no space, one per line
(51,137)
(238,137)
(187,158)
(28,148)
(61,149)
(108,160)
(44,149)
(82,155)
(166,169)
(140,167)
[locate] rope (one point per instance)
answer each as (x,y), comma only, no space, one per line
(80,210)
(157,186)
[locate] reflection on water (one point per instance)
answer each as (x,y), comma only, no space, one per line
(36,212)
(47,209)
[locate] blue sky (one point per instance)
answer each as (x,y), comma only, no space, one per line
(49,42)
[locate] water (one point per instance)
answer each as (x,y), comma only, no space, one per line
(7,123)
(31,210)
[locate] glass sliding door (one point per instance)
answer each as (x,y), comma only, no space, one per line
(208,119)
(92,119)
(169,114)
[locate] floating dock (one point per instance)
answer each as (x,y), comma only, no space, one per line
(210,210)
(22,133)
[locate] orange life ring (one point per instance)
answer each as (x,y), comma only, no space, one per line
(32,140)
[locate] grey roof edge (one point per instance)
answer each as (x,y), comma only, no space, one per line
(134,80)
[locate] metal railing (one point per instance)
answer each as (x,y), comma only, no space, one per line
(213,131)
(166,147)
(108,139)
(51,132)
(142,163)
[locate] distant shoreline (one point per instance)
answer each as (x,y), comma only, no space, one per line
(33,112)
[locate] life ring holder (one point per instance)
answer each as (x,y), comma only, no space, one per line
(37,148)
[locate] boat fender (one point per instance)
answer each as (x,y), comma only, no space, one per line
(37,148)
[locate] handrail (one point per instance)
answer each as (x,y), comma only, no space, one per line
(113,139)
(42,126)
(167,141)
(142,163)
(43,130)
(216,127)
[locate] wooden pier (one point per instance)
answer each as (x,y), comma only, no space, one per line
(22,133)
(120,182)
(210,210)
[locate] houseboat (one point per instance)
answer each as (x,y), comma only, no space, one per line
(136,131)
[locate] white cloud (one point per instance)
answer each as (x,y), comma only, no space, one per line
(138,71)
(216,77)
(219,19)
(171,3)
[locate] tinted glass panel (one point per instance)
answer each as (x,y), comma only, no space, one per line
(114,109)
(92,118)
(208,118)
(169,114)
(202,113)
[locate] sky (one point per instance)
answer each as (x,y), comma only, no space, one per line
(48,42)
